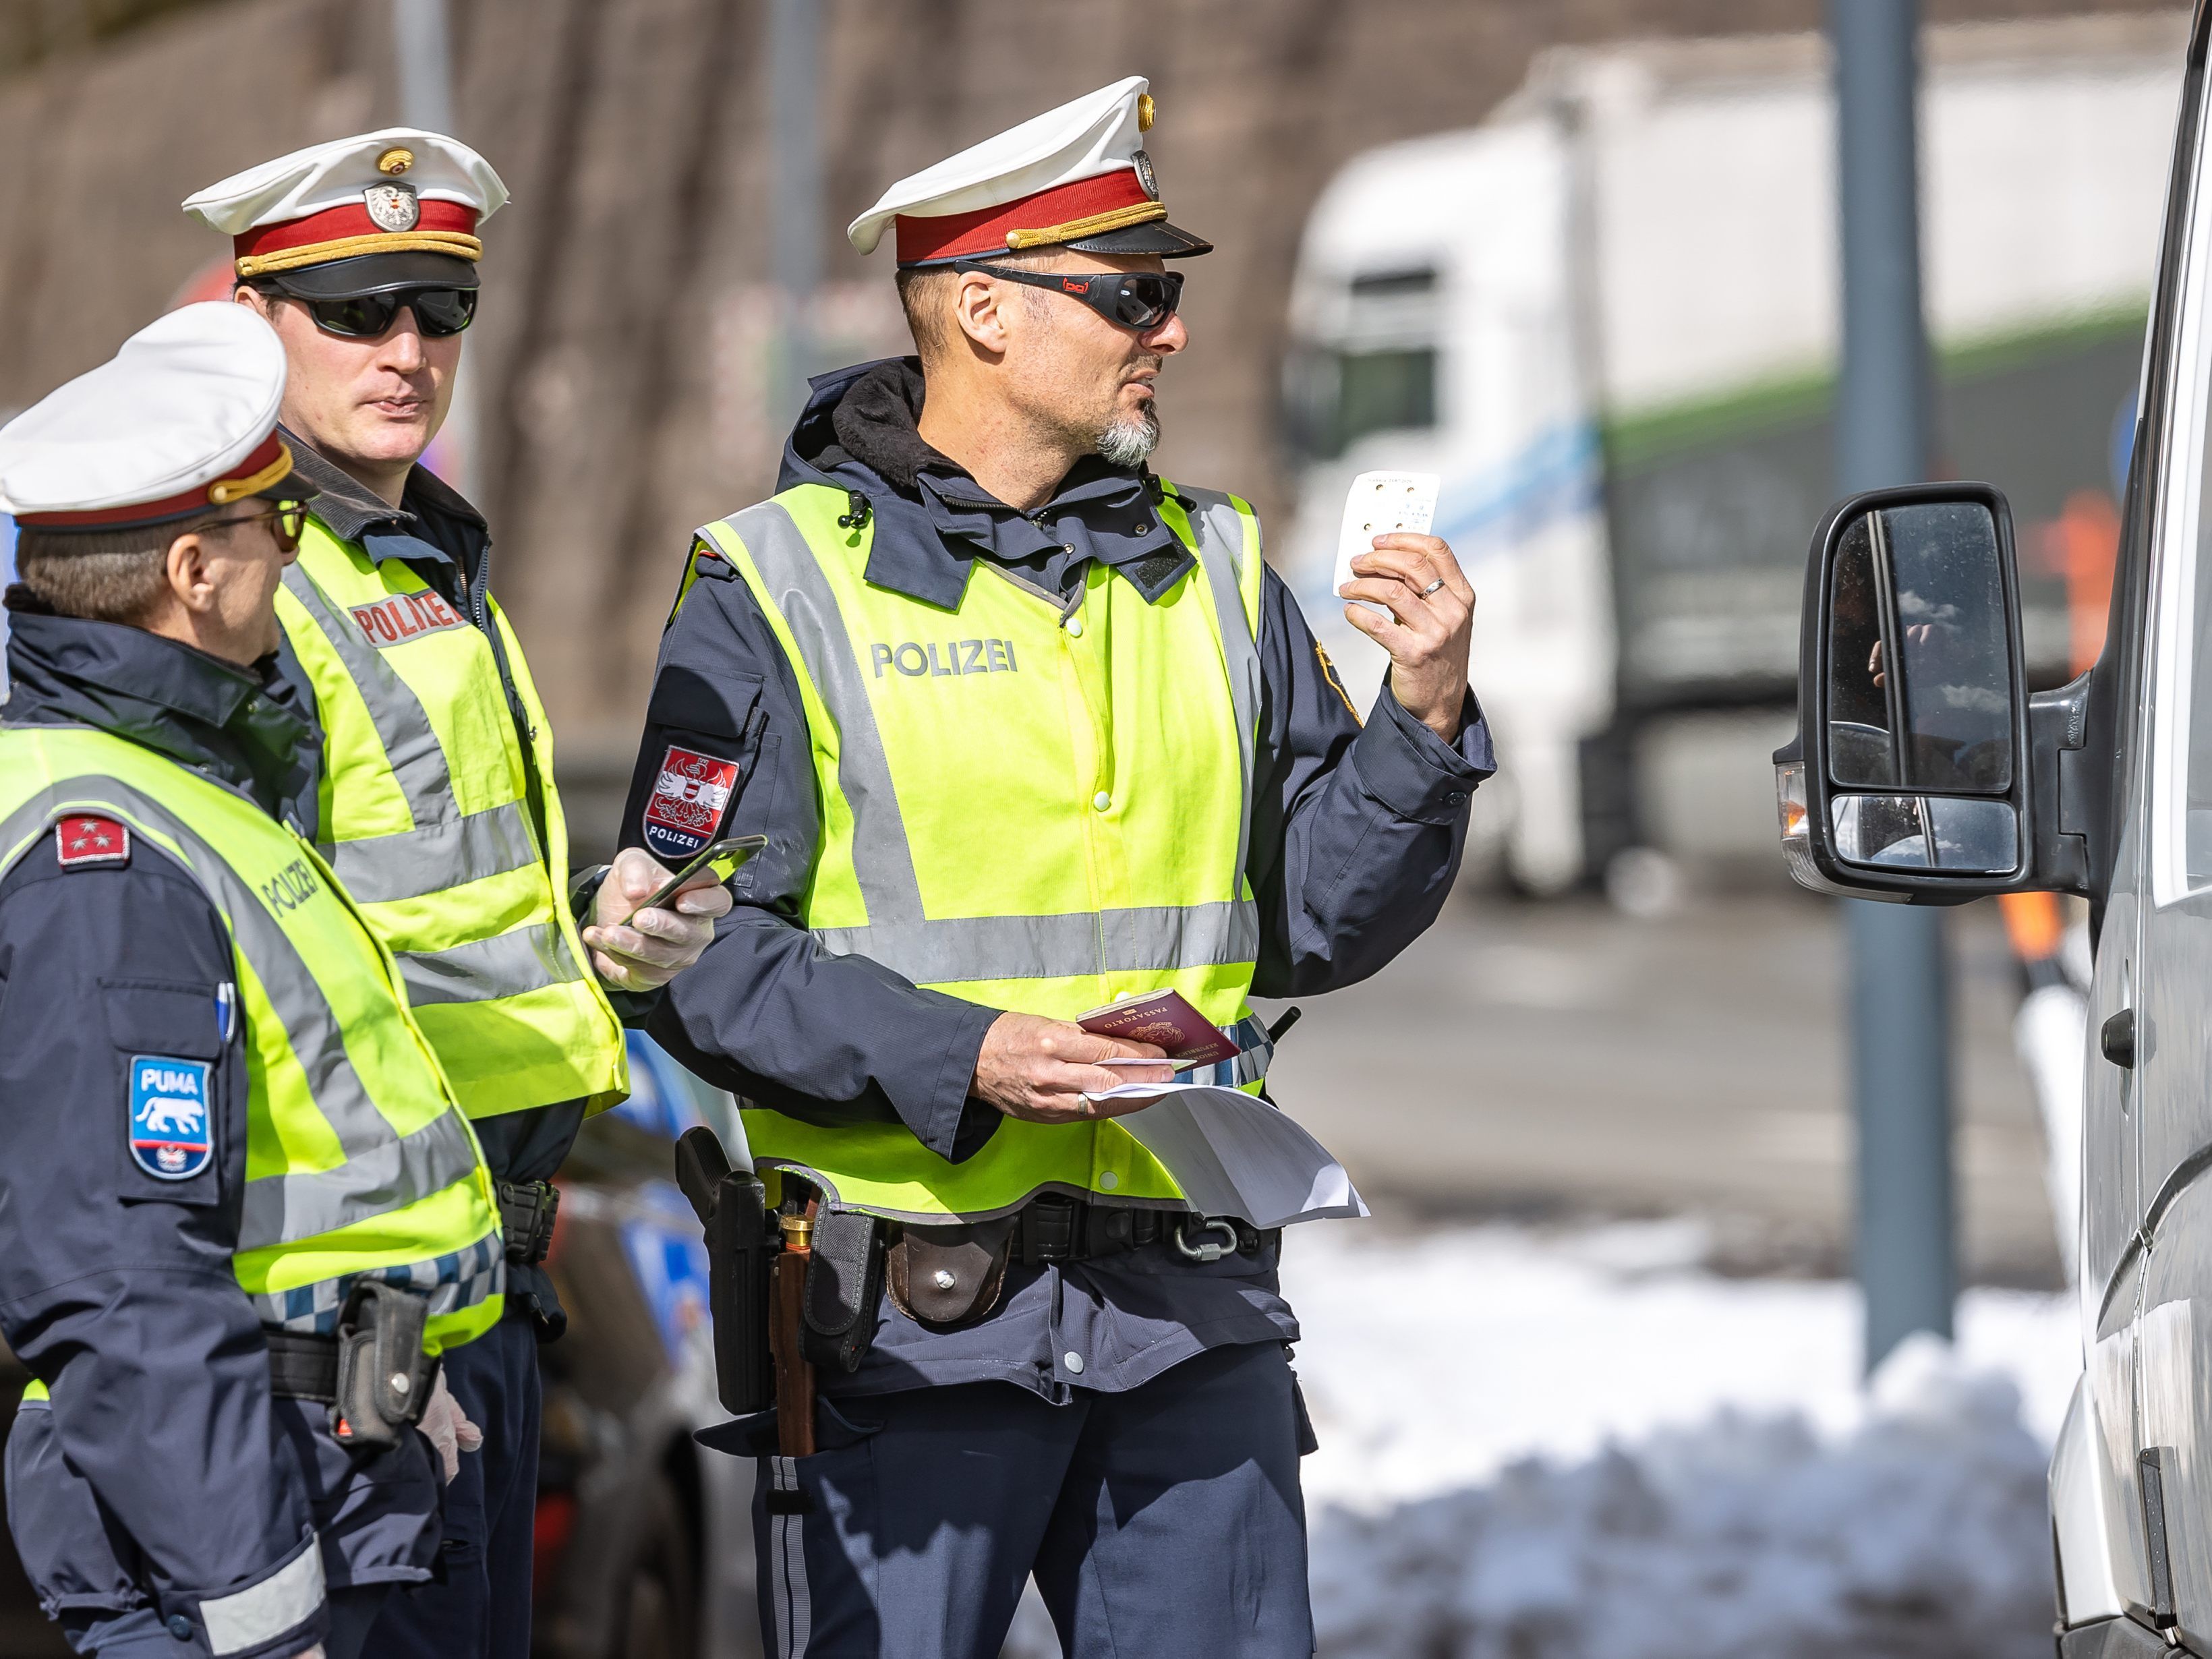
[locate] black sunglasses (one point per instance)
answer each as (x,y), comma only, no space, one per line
(1134,299)
(439,312)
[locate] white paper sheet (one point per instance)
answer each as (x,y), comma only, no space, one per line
(1233,1154)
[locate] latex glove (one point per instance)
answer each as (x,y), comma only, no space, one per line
(655,946)
(448,1429)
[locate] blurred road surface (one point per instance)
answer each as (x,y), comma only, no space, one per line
(1565,1060)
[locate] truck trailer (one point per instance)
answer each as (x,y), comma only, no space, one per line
(1607,317)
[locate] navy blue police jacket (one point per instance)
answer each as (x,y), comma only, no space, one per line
(164,1471)
(1357,832)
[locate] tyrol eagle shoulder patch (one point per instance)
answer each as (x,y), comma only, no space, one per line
(691,798)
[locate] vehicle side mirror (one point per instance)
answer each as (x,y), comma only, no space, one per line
(1913,778)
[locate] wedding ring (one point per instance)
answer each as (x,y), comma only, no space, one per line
(1432,587)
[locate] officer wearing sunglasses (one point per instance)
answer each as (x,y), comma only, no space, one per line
(1029,728)
(438,805)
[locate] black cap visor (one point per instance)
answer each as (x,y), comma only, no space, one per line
(1159,237)
(374,273)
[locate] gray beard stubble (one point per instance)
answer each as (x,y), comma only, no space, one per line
(1129,442)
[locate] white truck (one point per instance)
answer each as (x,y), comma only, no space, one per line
(1607,318)
(1928,769)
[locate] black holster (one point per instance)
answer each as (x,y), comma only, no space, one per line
(527,1210)
(741,1242)
(384,1376)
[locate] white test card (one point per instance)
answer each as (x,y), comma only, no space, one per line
(1382,504)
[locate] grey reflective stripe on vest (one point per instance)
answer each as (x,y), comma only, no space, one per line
(383,1171)
(504,965)
(1219,529)
(1157,939)
(953,949)
(410,863)
(882,858)
(445,848)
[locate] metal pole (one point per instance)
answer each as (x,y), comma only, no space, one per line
(422,48)
(794,98)
(1900,1022)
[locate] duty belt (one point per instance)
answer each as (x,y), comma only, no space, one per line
(1050,1228)
(302,1366)
(527,1209)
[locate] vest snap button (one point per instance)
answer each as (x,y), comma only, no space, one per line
(1102,801)
(1073,1361)
(1075,628)
(1108,1180)
(180,1627)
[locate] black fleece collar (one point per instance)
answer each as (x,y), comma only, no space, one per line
(859,432)
(352,512)
(243,726)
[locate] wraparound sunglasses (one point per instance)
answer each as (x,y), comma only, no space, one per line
(1134,299)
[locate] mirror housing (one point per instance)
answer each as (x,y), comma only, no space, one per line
(1923,772)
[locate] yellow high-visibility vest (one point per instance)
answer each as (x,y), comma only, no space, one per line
(358,1161)
(1033,810)
(425,815)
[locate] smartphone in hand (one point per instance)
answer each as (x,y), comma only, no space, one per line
(725,858)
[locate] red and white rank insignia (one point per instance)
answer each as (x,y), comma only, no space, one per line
(80,841)
(687,801)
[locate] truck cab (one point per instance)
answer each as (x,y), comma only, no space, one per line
(1927,769)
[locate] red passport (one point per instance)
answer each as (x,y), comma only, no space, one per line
(1165,1020)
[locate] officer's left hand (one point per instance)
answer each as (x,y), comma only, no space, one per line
(656,944)
(1426,633)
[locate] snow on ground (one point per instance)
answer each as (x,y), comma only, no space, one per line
(1545,1446)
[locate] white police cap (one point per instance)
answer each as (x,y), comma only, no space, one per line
(181,420)
(1078,176)
(401,191)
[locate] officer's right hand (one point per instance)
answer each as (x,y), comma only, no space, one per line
(1039,1069)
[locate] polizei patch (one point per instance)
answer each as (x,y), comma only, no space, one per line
(688,799)
(406,617)
(171,1138)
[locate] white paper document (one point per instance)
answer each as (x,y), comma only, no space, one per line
(1382,504)
(1233,1154)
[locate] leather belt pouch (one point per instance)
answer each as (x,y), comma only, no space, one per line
(384,1377)
(527,1209)
(948,1275)
(844,1283)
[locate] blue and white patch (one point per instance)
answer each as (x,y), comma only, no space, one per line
(172,1138)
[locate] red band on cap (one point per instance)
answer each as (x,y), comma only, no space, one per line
(957,235)
(194,500)
(335,224)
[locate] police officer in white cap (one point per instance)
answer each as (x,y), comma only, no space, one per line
(438,805)
(1030,730)
(208,1226)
